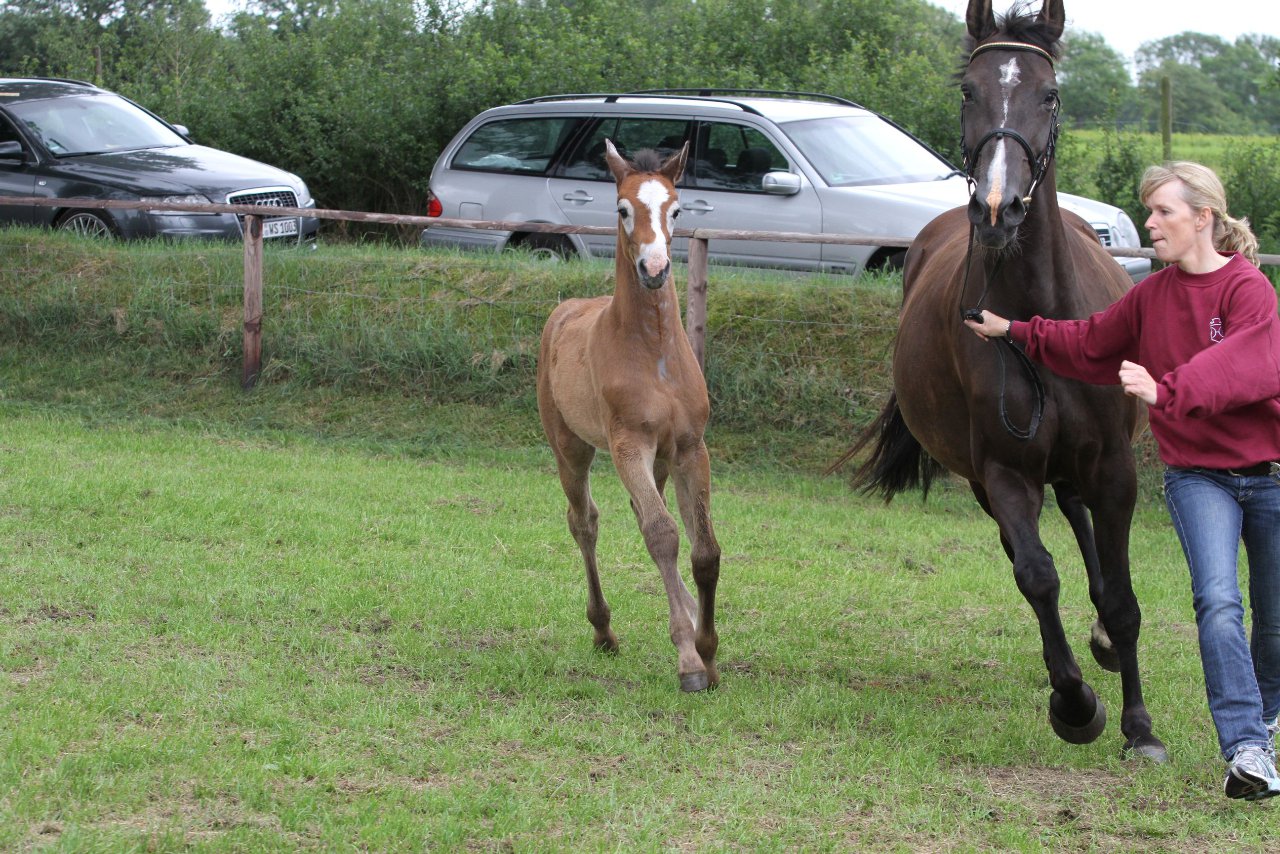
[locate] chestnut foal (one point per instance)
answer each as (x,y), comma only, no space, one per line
(617,373)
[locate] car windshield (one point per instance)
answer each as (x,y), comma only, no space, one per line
(856,151)
(93,124)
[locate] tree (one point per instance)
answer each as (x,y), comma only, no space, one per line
(1093,82)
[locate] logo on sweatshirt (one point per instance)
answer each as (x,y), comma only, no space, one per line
(1215,330)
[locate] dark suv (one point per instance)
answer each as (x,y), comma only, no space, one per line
(65,139)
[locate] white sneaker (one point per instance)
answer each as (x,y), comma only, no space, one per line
(1252,774)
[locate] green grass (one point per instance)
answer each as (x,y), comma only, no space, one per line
(343,610)
(273,643)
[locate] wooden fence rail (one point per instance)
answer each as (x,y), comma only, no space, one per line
(695,292)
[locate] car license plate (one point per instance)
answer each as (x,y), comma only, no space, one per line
(280,227)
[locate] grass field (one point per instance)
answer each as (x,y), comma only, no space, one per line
(343,611)
(229,643)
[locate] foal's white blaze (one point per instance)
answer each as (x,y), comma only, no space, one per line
(653,195)
(1010,77)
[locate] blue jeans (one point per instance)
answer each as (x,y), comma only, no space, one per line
(1212,512)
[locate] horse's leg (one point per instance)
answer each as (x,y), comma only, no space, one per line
(1110,495)
(693,493)
(1076,713)
(573,462)
(1077,515)
(981,494)
(661,472)
(633,458)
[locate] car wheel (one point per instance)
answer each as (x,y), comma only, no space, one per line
(548,247)
(88,223)
(887,260)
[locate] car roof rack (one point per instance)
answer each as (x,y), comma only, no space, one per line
(705,94)
(714,92)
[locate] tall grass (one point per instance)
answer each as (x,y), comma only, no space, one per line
(793,362)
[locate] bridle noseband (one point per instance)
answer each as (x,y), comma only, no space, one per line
(1039,165)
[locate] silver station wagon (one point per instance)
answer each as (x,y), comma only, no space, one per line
(760,161)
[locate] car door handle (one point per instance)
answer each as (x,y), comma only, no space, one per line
(579,196)
(699,206)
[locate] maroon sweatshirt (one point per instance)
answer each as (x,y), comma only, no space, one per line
(1212,343)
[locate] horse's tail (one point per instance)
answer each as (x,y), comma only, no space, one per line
(897,462)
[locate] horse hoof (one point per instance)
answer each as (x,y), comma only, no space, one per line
(1145,747)
(690,682)
(1071,733)
(1103,652)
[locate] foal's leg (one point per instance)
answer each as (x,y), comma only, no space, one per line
(633,458)
(573,461)
(693,493)
(1075,711)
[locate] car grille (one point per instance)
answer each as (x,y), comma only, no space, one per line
(1104,235)
(272,198)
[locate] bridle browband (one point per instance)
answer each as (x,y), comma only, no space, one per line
(1039,165)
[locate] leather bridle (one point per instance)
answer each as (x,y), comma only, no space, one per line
(1039,164)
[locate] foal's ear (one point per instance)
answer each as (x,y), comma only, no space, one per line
(981,20)
(673,166)
(1054,18)
(618,164)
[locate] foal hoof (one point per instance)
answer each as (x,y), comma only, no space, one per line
(690,682)
(1145,747)
(1103,652)
(1071,733)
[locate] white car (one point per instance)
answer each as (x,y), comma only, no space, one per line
(759,161)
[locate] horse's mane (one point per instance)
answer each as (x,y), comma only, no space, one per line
(646,160)
(1019,24)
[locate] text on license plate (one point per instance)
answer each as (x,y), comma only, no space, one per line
(279,227)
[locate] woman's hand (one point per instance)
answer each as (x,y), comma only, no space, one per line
(1137,382)
(992,325)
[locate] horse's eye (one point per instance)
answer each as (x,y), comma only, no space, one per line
(1051,98)
(965,94)
(675,214)
(623,212)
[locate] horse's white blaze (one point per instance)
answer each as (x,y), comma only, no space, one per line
(654,196)
(1010,77)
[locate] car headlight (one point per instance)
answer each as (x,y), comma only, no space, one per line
(1126,232)
(193,199)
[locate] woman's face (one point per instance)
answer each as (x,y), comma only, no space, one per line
(1175,228)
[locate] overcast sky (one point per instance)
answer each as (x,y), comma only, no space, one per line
(1125,24)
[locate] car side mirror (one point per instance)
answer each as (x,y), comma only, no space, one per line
(182,129)
(780,183)
(11,150)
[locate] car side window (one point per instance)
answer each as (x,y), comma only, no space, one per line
(8,133)
(628,135)
(521,146)
(731,156)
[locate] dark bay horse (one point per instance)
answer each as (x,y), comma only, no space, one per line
(617,372)
(979,408)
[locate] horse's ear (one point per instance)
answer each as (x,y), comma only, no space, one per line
(618,164)
(673,166)
(1054,18)
(981,20)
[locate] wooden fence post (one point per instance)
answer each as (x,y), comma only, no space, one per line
(695,312)
(252,301)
